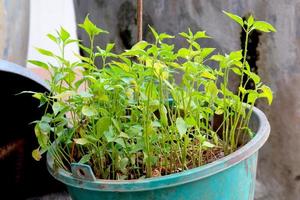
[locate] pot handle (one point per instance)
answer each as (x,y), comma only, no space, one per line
(82,171)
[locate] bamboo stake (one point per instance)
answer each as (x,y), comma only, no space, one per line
(139,20)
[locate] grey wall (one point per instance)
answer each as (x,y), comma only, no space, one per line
(14,29)
(279,163)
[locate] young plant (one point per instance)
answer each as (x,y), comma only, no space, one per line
(131,119)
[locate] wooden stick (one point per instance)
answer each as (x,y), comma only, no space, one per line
(140,20)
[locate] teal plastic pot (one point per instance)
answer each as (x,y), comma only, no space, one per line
(230,178)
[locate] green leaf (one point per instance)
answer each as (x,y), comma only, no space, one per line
(242,90)
(123,164)
(155,34)
(38,95)
(36,154)
(237,70)
(39,64)
(86,49)
(267,92)
(124,135)
(141,45)
(196,45)
(208,75)
(136,52)
(85,94)
(103,125)
(181,126)
(250,21)
(190,121)
(44,127)
(208,144)
(71,41)
(89,111)
(253,76)
(120,141)
(163,115)
(184,53)
(45,52)
(41,136)
(190,32)
(217,58)
(52,37)
(109,47)
(81,141)
(163,36)
(219,111)
(84,159)
(46,118)
(109,135)
(252,96)
(185,35)
(200,34)
(236,55)
(123,66)
(64,35)
(212,89)
(90,28)
(263,26)
(57,107)
(234,17)
(206,52)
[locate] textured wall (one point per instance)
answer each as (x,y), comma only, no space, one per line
(279,165)
(14,28)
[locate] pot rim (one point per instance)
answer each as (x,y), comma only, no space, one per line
(13,68)
(175,179)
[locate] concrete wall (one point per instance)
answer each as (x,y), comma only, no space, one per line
(14,29)
(279,163)
(47,17)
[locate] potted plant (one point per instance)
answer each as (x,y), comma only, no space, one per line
(153,122)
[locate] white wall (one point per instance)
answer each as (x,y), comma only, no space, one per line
(46,16)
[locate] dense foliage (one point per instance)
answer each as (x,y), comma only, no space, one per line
(149,111)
